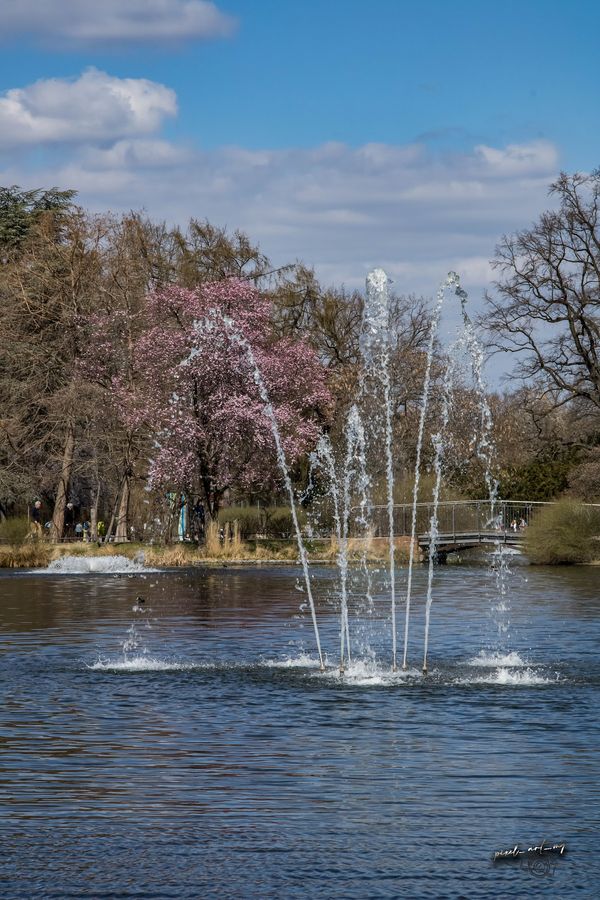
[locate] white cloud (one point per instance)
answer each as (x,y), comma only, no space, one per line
(90,21)
(341,209)
(93,107)
(149,153)
(518,159)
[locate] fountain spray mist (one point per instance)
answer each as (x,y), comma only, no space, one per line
(355,445)
(484,449)
(237,338)
(375,346)
(484,445)
(324,459)
(438,440)
(483,442)
(340,490)
(435,321)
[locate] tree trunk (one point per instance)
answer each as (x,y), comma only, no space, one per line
(94,513)
(58,516)
(121,534)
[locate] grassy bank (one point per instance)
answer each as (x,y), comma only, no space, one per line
(232,549)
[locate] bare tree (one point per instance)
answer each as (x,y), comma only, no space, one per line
(546,304)
(44,289)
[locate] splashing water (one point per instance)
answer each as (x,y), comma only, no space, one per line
(487,659)
(438,441)
(324,459)
(484,449)
(340,491)
(102,565)
(506,676)
(355,439)
(433,329)
(142,663)
(237,338)
(375,347)
(353,481)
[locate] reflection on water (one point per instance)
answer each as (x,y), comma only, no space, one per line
(191,747)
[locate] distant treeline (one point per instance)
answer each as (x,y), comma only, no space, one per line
(121,390)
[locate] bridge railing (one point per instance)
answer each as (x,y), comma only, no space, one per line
(458,516)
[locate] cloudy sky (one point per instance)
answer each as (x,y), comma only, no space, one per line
(343,133)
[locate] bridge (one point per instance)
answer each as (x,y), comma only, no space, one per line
(462,524)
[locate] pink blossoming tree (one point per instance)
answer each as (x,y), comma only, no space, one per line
(196,395)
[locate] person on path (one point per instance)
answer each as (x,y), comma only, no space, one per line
(69,522)
(36,519)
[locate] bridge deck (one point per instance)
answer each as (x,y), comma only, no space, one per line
(449,541)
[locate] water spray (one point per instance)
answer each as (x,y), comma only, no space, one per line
(236,337)
(375,346)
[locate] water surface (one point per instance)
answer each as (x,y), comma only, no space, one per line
(189,746)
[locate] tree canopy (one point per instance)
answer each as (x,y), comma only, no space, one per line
(546,303)
(20,209)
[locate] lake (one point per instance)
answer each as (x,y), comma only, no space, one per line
(189,746)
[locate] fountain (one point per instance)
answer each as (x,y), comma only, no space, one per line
(347,481)
(340,491)
(375,347)
(236,337)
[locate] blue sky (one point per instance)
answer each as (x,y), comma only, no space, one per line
(344,133)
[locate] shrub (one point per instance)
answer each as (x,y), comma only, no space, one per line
(250,519)
(566,532)
(279,522)
(15,531)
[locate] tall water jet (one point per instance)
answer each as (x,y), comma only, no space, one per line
(438,441)
(324,459)
(340,490)
(375,347)
(482,440)
(484,446)
(237,338)
(355,444)
(433,328)
(484,449)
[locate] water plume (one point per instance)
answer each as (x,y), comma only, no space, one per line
(375,349)
(237,338)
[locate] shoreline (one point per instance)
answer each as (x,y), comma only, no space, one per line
(39,554)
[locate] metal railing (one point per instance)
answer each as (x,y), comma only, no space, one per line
(456,517)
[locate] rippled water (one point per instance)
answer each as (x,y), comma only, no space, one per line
(189,746)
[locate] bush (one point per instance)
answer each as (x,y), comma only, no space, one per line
(566,532)
(279,522)
(15,531)
(250,519)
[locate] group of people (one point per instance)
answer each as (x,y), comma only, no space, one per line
(518,524)
(500,525)
(73,530)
